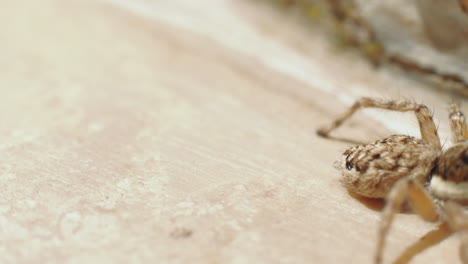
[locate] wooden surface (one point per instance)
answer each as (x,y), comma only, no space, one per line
(184,132)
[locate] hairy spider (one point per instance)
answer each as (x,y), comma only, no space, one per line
(407,169)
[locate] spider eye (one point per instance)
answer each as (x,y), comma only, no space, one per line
(349,165)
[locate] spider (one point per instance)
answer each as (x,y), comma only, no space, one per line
(404,169)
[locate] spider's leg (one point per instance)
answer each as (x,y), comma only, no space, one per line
(424,116)
(464,246)
(457,220)
(457,123)
(432,238)
(395,199)
(409,190)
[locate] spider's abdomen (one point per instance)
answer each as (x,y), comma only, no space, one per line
(371,170)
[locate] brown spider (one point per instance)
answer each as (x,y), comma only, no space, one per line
(407,169)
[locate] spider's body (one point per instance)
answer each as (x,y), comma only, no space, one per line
(450,179)
(401,167)
(372,170)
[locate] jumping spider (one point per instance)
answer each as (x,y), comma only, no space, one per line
(405,169)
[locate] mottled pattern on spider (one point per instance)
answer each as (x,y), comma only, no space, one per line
(400,167)
(372,170)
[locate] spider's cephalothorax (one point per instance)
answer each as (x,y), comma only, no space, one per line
(407,169)
(450,179)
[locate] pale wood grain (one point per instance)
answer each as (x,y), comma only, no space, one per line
(184,132)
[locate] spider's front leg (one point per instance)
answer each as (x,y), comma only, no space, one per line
(408,189)
(457,123)
(455,220)
(426,124)
(433,237)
